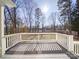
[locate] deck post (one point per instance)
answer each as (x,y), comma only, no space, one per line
(20,35)
(56,36)
(2,40)
(9,3)
(70,43)
(38,36)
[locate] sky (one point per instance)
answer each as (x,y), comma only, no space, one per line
(47,7)
(74,1)
(51,5)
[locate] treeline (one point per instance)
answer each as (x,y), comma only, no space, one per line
(69,14)
(27,17)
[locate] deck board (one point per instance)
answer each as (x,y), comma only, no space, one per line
(38,49)
(35,48)
(37,56)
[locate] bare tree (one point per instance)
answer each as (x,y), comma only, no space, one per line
(6,21)
(42,22)
(29,6)
(8,18)
(12,14)
(65,11)
(38,14)
(25,17)
(63,22)
(52,19)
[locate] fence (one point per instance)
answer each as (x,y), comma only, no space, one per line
(76,47)
(65,40)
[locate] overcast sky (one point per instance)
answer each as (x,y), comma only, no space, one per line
(51,5)
(47,7)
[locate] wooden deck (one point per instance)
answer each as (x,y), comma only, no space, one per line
(38,50)
(35,48)
(37,56)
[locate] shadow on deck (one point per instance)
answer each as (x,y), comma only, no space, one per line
(39,48)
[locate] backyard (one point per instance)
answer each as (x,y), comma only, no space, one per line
(39,29)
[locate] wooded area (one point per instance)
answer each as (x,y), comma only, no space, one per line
(33,20)
(33,17)
(69,13)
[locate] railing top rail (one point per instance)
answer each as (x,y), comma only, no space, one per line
(11,35)
(35,33)
(76,42)
(27,33)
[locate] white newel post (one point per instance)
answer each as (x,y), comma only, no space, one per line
(20,36)
(0,32)
(70,43)
(56,37)
(9,3)
(2,40)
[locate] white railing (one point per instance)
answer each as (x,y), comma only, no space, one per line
(76,47)
(65,40)
(12,40)
(38,37)
(62,39)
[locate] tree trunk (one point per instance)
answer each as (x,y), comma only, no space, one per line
(6,27)
(14,21)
